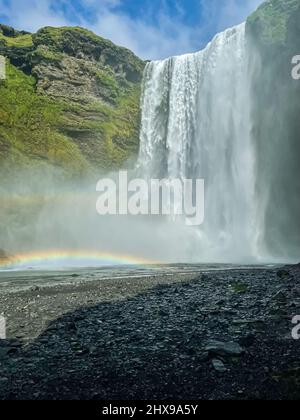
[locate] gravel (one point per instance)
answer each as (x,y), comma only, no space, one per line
(217,335)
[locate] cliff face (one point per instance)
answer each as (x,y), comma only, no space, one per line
(70,99)
(274,33)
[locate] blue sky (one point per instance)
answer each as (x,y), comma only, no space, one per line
(153,29)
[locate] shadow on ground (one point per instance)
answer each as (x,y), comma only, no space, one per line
(154,346)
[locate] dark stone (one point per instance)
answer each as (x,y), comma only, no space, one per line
(224,349)
(247,341)
(219,366)
(283,274)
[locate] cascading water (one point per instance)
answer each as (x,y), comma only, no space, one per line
(196,124)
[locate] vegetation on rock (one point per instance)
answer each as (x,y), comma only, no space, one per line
(71,99)
(273,34)
(270,23)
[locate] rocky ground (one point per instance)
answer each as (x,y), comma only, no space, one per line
(218,335)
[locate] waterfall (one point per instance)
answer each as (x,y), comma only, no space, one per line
(196,124)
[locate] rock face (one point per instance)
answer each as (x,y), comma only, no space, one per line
(81,102)
(224,349)
(273,33)
(219,366)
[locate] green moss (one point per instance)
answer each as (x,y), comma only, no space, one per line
(45,53)
(55,37)
(274,33)
(270,21)
(19,41)
(57,33)
(121,130)
(108,82)
(71,40)
(80,115)
(239,288)
(28,126)
(115,129)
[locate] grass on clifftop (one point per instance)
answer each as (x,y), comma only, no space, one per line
(72,38)
(56,34)
(79,109)
(19,41)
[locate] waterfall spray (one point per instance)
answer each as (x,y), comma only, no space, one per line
(196,124)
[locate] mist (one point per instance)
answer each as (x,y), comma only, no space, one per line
(211,115)
(42,211)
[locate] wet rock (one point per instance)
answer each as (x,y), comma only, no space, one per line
(219,366)
(11,351)
(224,349)
(4,343)
(296,291)
(247,341)
(279,297)
(114,350)
(163,313)
(283,274)
(3,352)
(93,350)
(204,357)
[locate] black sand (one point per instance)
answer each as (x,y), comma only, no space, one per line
(153,337)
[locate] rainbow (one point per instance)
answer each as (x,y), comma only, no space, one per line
(69,258)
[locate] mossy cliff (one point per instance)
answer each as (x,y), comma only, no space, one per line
(70,99)
(274,39)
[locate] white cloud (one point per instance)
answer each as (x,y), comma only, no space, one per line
(169,37)
(31,15)
(148,40)
(226,13)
